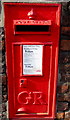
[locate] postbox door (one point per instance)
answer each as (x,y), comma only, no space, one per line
(32,78)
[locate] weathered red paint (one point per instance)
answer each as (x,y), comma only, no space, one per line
(32,95)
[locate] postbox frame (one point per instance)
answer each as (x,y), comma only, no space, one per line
(11,113)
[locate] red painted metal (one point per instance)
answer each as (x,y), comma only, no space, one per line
(32,95)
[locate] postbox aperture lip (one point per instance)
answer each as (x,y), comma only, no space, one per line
(32,26)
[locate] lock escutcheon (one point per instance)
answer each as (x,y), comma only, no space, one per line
(23,83)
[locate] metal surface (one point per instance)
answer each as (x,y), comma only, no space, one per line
(32,28)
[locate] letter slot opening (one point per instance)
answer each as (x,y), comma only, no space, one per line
(32,28)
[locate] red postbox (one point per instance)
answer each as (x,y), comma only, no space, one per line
(32,38)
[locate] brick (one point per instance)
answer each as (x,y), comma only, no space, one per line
(69,85)
(0,108)
(1,70)
(67,66)
(65,77)
(3,107)
(0,38)
(65,69)
(3,44)
(64,97)
(67,119)
(0,77)
(0,88)
(0,99)
(65,20)
(2,67)
(62,87)
(4,98)
(64,57)
(64,37)
(4,80)
(1,57)
(67,114)
(60,115)
(62,106)
(4,116)
(65,13)
(67,97)
(1,30)
(60,97)
(65,30)
(4,89)
(0,45)
(65,45)
(3,37)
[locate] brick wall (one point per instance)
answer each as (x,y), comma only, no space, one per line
(63,85)
(3,77)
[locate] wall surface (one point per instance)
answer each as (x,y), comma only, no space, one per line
(63,85)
